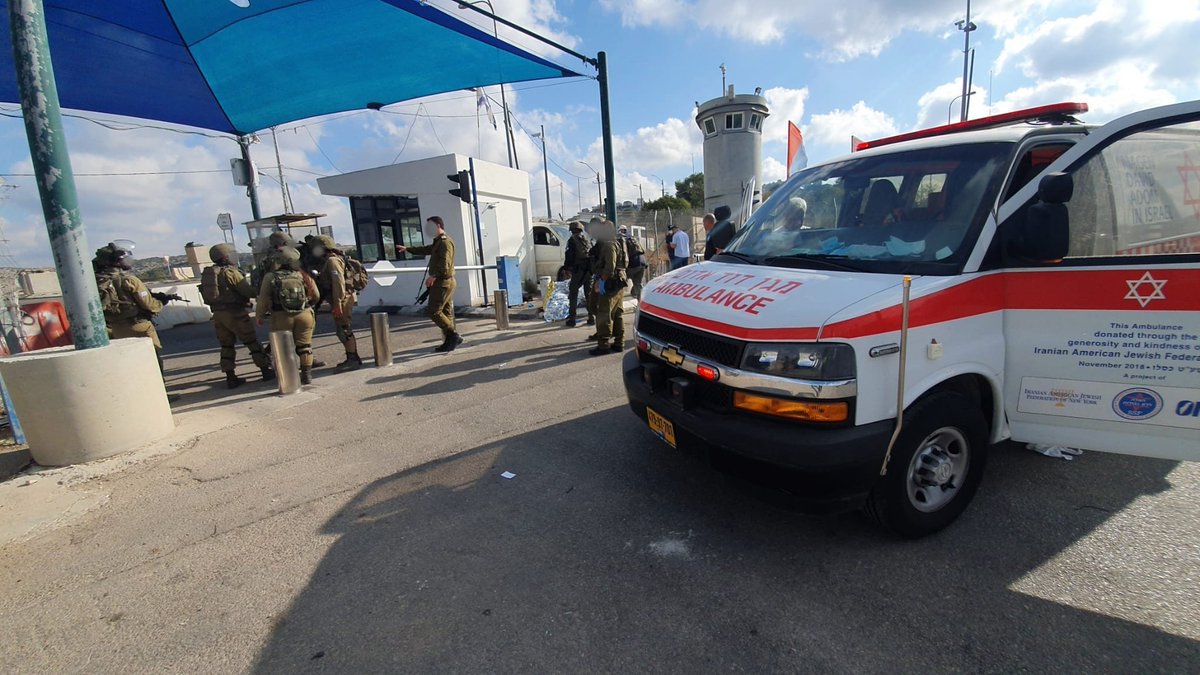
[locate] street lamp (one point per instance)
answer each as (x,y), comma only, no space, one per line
(966,26)
(599,193)
(508,144)
(545,169)
(951,106)
(662,183)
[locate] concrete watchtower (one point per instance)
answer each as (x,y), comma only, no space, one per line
(732,128)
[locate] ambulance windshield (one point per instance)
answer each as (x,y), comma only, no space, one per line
(910,211)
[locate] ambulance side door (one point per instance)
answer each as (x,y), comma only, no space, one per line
(1102,316)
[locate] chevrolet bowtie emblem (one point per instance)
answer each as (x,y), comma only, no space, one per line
(672,356)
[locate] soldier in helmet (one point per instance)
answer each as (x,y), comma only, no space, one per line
(331,280)
(128,305)
(610,279)
(287,298)
(229,293)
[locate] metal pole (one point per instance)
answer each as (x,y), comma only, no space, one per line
(501,310)
(287,362)
(579,192)
(507,126)
(546,171)
(600,193)
(381,339)
(606,131)
(251,176)
(55,179)
(904,303)
(478,226)
(966,27)
(283,190)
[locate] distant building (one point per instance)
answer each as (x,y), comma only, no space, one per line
(732,128)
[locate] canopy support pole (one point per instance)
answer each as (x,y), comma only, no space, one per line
(251,177)
(52,167)
(610,206)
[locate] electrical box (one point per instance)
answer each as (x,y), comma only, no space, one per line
(508,268)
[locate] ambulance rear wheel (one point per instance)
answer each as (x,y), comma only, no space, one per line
(935,468)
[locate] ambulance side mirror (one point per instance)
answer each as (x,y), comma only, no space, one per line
(1044,234)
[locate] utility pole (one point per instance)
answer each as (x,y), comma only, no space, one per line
(545,170)
(600,194)
(561,208)
(641,197)
(283,189)
(606,133)
(52,168)
(579,192)
(251,177)
(966,27)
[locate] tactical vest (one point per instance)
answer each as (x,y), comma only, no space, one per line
(116,298)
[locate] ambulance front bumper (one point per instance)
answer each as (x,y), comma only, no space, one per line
(826,469)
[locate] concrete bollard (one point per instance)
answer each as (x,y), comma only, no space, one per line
(287,362)
(381,339)
(501,310)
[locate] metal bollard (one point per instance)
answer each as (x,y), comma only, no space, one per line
(287,362)
(381,339)
(501,310)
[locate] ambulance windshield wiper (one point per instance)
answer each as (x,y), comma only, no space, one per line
(740,256)
(829,261)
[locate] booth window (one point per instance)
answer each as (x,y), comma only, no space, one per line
(756,122)
(733,121)
(380,223)
(710,126)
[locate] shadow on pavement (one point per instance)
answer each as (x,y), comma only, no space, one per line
(617,554)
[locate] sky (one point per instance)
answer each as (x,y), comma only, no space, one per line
(868,68)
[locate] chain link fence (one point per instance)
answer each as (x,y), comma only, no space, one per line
(650,227)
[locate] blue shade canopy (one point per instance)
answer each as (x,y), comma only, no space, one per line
(216,64)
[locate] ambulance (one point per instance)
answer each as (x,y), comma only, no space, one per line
(886,317)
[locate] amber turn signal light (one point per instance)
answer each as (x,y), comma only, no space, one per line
(808,411)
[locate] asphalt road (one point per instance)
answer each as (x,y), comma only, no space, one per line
(366,528)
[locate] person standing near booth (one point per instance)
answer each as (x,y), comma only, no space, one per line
(440,282)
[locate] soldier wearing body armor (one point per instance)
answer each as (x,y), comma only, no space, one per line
(577,261)
(440,282)
(285,295)
(636,256)
(610,279)
(129,307)
(228,292)
(334,287)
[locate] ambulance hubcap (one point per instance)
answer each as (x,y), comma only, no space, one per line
(937,469)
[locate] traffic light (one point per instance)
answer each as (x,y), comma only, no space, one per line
(463,180)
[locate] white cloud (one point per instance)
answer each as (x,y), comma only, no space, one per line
(834,128)
(785,105)
(773,170)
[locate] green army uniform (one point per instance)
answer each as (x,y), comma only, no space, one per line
(578,262)
(228,292)
(593,298)
(342,299)
(299,323)
(134,307)
(610,313)
(441,294)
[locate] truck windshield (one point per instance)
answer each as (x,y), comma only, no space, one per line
(915,211)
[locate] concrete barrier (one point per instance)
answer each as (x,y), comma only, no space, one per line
(78,406)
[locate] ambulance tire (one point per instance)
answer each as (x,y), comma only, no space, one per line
(943,427)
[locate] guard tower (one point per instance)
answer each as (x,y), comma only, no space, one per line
(732,128)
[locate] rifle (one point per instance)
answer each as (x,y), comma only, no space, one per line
(169,297)
(424,294)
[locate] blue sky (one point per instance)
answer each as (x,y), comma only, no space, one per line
(863,67)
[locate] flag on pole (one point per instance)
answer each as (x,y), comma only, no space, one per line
(796,155)
(482,102)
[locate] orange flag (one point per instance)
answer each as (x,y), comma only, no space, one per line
(795,152)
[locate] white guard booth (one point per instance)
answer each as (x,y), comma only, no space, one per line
(389,205)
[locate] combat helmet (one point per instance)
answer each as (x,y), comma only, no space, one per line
(221,252)
(324,240)
(280,238)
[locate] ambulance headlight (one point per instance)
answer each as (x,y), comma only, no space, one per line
(805,361)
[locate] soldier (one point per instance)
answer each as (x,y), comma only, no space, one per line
(577,261)
(636,256)
(285,295)
(128,305)
(332,282)
(440,282)
(592,228)
(229,293)
(610,279)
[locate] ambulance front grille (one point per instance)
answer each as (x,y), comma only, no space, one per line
(720,350)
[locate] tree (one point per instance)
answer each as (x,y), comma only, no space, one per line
(691,189)
(668,202)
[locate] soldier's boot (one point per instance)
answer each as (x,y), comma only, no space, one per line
(592,337)
(601,349)
(318,363)
(305,376)
(618,346)
(232,381)
(268,374)
(353,362)
(570,323)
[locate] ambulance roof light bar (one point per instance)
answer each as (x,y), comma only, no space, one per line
(1055,112)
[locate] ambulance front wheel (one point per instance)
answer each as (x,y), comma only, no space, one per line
(935,468)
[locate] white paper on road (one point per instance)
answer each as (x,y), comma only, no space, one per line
(508,474)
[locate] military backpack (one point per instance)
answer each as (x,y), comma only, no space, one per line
(114,303)
(289,292)
(208,285)
(356,275)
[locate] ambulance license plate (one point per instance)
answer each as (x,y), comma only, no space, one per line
(661,427)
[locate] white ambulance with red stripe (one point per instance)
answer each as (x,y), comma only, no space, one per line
(887,316)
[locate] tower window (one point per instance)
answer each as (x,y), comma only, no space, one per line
(733,121)
(756,122)
(710,126)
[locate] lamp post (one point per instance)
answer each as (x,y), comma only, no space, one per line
(966,26)
(662,183)
(508,139)
(599,192)
(545,168)
(951,105)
